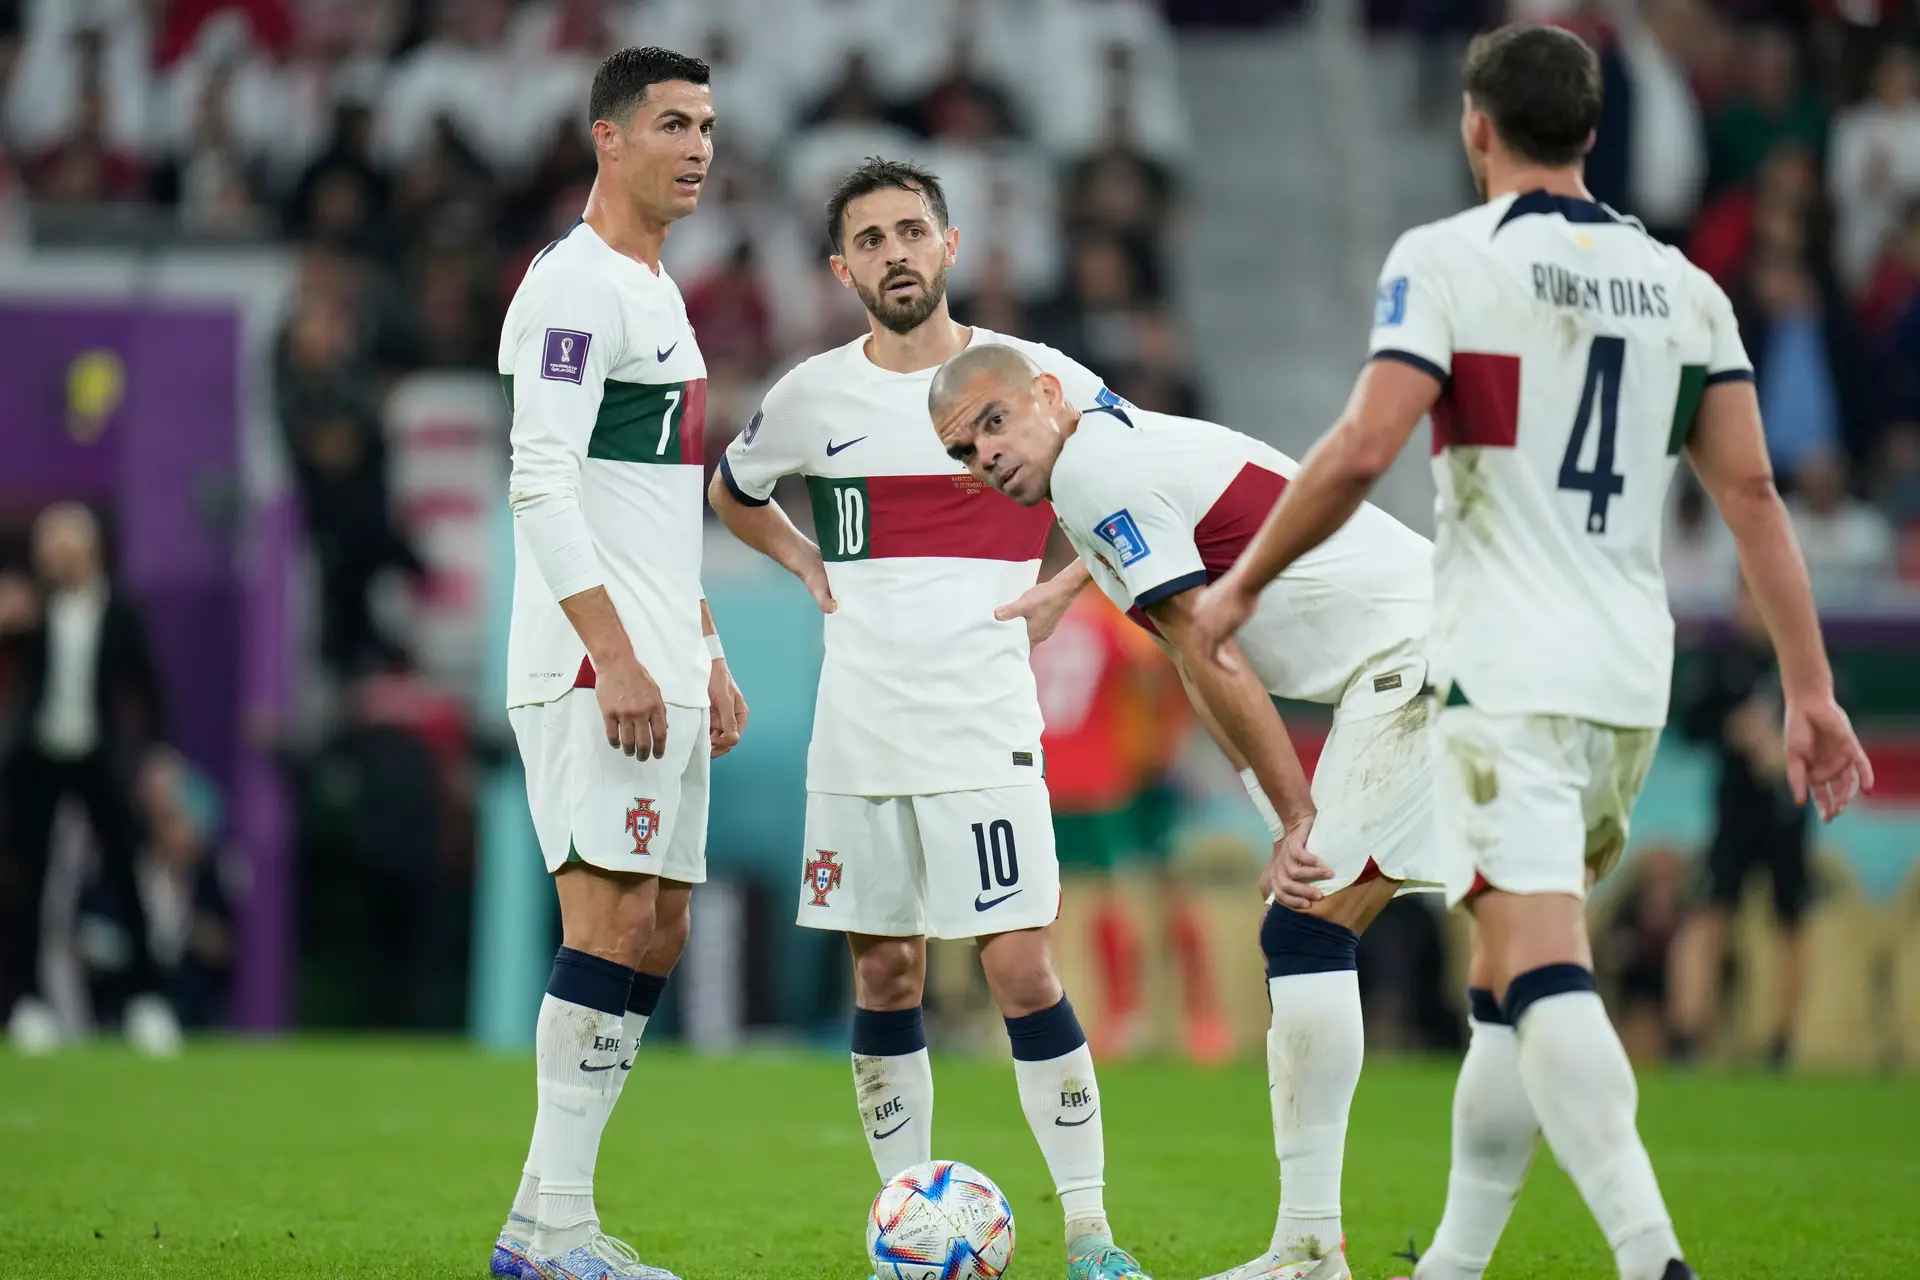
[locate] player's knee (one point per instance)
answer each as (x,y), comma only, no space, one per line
(1020,971)
(1296,943)
(887,975)
(672,923)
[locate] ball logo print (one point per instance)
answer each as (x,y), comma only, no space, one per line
(822,874)
(643,823)
(940,1221)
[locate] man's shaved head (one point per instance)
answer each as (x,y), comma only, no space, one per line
(1002,417)
(1008,368)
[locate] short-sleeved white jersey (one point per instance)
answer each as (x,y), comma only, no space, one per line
(922,690)
(1573,350)
(1156,505)
(609,398)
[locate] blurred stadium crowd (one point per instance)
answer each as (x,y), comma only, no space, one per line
(412,156)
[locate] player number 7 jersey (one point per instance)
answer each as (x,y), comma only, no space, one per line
(1573,350)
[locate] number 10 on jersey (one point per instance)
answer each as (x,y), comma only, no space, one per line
(840,517)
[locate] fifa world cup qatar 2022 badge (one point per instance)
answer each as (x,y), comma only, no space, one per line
(643,823)
(822,876)
(564,358)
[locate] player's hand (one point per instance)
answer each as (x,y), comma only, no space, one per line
(1042,605)
(631,709)
(815,578)
(1222,609)
(1289,878)
(1824,757)
(727,718)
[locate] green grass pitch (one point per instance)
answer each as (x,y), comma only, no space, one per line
(396,1158)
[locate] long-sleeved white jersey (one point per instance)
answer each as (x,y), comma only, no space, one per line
(609,398)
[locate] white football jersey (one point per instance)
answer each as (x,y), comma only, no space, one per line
(1573,349)
(609,399)
(1156,505)
(922,691)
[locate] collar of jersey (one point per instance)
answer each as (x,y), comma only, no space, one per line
(1571,208)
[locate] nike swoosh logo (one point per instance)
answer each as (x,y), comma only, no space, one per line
(627,1065)
(1075,1124)
(608,1067)
(833,448)
(989,904)
(897,1128)
(661,356)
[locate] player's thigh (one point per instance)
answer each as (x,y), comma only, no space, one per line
(1373,792)
(1618,761)
(620,812)
(1507,803)
(683,831)
(861,866)
(991,863)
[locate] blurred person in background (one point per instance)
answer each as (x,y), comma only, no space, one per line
(1733,705)
(1722,239)
(1789,328)
(184,890)
(1667,136)
(1771,105)
(89,707)
(216,187)
(340,467)
(1847,543)
(340,198)
(1894,284)
(1876,163)
(1637,946)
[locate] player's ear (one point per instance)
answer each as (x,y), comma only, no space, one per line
(840,272)
(953,244)
(1052,394)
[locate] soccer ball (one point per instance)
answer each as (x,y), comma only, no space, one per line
(940,1221)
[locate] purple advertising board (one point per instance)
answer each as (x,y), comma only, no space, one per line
(136,409)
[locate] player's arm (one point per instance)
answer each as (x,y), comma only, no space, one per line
(1045,603)
(727,709)
(741,494)
(1729,453)
(1411,348)
(552,420)
(1241,717)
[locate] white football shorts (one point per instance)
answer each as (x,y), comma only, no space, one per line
(594,803)
(959,864)
(1533,803)
(1373,793)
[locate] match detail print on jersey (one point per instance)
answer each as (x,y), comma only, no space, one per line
(885,517)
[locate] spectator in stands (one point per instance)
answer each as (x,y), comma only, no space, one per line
(1732,704)
(90,708)
(1876,163)
(83,167)
(1121,191)
(1847,543)
(217,189)
(1638,949)
(1896,476)
(1771,107)
(1895,282)
(962,105)
(1722,241)
(1092,318)
(729,308)
(1667,139)
(456,322)
(340,199)
(1784,322)
(455,83)
(1697,553)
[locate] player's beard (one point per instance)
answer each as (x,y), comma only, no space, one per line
(907,316)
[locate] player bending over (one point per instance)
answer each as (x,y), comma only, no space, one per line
(1567,359)
(617,698)
(1157,506)
(927,811)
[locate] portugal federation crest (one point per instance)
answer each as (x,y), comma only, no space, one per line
(643,823)
(822,875)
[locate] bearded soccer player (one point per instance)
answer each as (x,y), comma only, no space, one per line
(927,813)
(1156,505)
(1568,359)
(616,686)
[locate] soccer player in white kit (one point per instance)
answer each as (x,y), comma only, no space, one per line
(616,687)
(1567,360)
(927,810)
(1157,506)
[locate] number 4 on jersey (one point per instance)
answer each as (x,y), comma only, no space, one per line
(1602,484)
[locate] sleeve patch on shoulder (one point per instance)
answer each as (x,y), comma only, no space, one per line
(1390,306)
(565,356)
(753,426)
(1107,398)
(1121,533)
